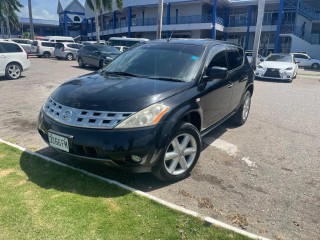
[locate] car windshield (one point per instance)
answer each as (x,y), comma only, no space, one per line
(160,61)
(279,58)
(107,49)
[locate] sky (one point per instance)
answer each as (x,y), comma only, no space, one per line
(45,9)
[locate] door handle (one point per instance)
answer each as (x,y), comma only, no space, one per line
(230,84)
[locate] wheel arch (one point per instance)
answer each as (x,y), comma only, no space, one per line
(16,62)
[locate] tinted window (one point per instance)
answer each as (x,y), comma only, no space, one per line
(35,43)
(90,49)
(19,41)
(279,58)
(160,60)
(48,44)
(235,58)
(300,56)
(219,60)
(10,48)
(59,45)
(103,48)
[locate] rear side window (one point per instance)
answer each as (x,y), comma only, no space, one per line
(10,48)
(48,44)
(59,45)
(35,43)
(235,58)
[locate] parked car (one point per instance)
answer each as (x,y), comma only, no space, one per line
(13,60)
(306,61)
(122,48)
(278,66)
(249,56)
(43,48)
(96,55)
(102,42)
(147,109)
(57,39)
(67,50)
(25,43)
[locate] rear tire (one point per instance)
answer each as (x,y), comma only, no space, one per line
(69,57)
(46,55)
(241,116)
(181,154)
(13,71)
(315,66)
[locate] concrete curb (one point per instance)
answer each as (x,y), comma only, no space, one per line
(206,219)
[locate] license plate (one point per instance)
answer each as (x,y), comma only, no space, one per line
(58,141)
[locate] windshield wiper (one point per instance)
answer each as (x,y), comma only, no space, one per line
(124,74)
(167,79)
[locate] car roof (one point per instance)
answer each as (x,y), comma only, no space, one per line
(200,42)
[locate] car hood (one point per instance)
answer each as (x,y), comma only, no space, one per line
(102,92)
(276,65)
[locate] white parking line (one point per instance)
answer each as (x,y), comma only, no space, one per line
(209,220)
(229,148)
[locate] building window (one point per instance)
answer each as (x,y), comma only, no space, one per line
(76,19)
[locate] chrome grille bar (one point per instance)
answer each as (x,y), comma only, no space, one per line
(83,118)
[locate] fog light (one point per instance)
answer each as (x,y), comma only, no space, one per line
(135,158)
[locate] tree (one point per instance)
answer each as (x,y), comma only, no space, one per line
(8,9)
(13,20)
(31,19)
(98,6)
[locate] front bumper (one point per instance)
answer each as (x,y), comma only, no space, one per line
(284,75)
(135,150)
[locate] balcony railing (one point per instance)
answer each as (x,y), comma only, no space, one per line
(193,19)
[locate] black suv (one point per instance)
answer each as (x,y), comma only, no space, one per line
(147,110)
(96,55)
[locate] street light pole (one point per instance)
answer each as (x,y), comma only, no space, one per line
(31,20)
(160,14)
(261,6)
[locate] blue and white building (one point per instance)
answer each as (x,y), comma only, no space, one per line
(289,25)
(71,18)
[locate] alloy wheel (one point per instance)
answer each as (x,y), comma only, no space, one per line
(69,57)
(14,71)
(180,154)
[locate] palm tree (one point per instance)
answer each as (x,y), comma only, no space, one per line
(31,19)
(13,21)
(98,6)
(7,10)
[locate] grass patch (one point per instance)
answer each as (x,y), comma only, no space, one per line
(41,200)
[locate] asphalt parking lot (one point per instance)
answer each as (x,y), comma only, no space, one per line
(263,177)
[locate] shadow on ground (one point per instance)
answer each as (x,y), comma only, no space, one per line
(51,176)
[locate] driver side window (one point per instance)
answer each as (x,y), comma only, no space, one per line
(219,60)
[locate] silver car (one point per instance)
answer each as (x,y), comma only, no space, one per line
(24,43)
(66,50)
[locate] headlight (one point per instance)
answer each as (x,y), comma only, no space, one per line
(289,68)
(259,66)
(146,117)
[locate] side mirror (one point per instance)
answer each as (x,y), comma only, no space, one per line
(216,73)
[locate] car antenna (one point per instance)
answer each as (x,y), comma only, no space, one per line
(169,39)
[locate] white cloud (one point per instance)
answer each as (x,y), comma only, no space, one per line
(37,13)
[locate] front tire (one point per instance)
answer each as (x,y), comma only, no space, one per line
(80,62)
(181,154)
(13,71)
(241,116)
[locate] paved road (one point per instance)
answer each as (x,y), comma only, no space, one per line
(263,177)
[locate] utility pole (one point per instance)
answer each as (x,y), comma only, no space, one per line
(31,20)
(160,14)
(261,6)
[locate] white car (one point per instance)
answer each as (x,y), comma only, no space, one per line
(278,66)
(43,48)
(25,43)
(122,48)
(249,57)
(13,60)
(306,61)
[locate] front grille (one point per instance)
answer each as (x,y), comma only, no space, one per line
(272,72)
(83,118)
